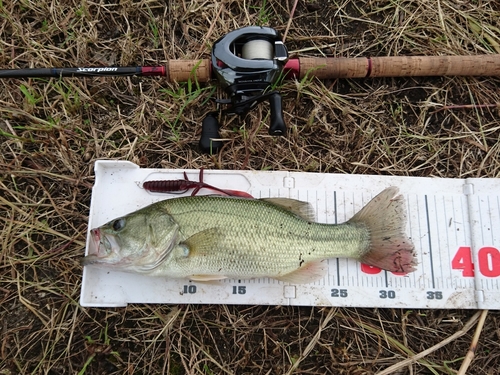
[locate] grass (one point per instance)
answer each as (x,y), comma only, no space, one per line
(52,131)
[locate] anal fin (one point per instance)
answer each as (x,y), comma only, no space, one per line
(308,273)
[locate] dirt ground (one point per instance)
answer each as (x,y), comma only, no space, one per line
(53,130)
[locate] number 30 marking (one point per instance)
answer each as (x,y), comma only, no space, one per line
(391,294)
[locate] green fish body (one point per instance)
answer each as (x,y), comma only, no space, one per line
(214,237)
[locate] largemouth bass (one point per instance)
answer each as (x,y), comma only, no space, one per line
(207,238)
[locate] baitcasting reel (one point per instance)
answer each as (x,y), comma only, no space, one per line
(247,63)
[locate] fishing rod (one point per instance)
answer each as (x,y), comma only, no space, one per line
(249,62)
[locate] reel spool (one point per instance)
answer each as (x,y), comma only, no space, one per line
(246,62)
(257,49)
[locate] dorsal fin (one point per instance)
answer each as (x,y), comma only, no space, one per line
(303,209)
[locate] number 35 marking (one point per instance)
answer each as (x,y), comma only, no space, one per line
(435,295)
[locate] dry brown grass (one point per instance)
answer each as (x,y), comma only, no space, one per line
(52,131)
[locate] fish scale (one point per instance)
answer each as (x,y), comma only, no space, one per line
(262,240)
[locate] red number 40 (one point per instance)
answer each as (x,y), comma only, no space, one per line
(488,259)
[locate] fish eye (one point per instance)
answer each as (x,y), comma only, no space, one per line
(118,224)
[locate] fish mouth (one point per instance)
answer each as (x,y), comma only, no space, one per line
(96,235)
(101,249)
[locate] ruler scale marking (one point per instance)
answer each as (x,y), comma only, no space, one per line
(447,280)
(422,265)
(437,273)
(457,242)
(430,242)
(409,222)
(474,249)
(336,222)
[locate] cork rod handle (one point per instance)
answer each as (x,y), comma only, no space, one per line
(184,70)
(400,66)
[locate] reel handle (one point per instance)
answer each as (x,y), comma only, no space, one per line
(209,131)
(277,126)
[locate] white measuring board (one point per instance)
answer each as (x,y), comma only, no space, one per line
(453,223)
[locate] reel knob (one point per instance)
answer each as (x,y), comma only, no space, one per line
(277,126)
(209,135)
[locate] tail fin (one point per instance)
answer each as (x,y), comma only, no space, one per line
(385,218)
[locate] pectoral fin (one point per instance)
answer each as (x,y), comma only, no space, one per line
(202,243)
